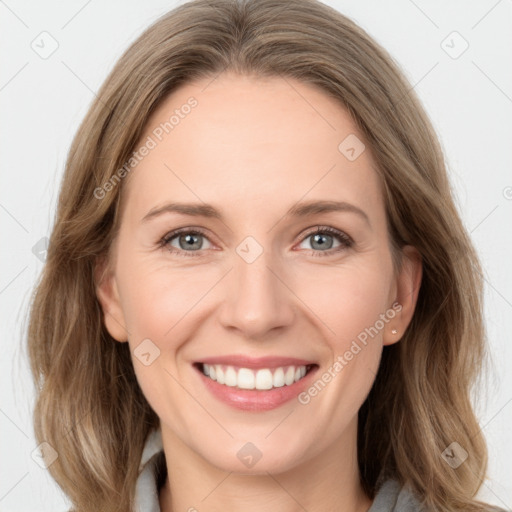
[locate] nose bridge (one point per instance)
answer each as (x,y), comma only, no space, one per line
(257,301)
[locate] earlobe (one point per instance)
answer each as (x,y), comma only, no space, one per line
(108,297)
(408,284)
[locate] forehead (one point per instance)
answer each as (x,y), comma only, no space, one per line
(257,144)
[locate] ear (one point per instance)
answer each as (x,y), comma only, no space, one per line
(408,283)
(108,297)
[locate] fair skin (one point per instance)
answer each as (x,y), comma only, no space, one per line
(253,148)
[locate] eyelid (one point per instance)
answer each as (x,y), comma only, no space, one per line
(328,229)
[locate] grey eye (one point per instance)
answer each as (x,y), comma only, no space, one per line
(188,241)
(320,241)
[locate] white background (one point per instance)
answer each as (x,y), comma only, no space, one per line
(469,100)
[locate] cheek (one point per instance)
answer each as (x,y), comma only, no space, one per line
(157,303)
(347,300)
(156,297)
(352,308)
(160,304)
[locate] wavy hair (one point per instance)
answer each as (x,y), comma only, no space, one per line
(89,405)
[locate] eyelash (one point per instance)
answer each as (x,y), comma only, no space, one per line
(345,240)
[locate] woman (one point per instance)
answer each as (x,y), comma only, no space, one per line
(191,351)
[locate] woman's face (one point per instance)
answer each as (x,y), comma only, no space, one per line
(257,167)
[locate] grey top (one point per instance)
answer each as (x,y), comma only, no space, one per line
(391,496)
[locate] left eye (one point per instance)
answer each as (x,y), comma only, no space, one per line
(322,239)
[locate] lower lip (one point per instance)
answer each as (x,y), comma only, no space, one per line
(255,399)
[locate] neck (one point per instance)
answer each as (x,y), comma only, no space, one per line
(328,481)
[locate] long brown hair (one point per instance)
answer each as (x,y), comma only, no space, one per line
(89,405)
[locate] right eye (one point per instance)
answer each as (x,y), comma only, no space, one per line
(183,241)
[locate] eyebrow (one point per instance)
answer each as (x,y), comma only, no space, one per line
(298,210)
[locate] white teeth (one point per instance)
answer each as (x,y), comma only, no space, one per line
(230,377)
(289,376)
(246,378)
(263,379)
(278,379)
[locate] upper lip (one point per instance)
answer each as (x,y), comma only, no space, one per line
(256,362)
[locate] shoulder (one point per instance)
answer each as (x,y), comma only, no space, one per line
(152,470)
(393,497)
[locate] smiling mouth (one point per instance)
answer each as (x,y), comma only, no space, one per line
(261,379)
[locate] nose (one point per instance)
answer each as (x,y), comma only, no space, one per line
(258,298)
